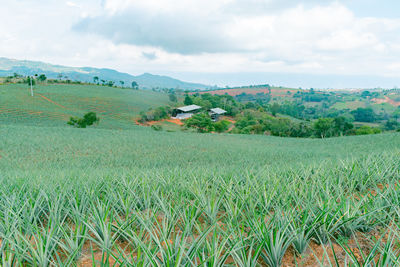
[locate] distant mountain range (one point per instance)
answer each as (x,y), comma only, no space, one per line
(85,74)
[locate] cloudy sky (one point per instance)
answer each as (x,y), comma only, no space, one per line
(224,42)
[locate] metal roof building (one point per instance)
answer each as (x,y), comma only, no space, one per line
(185,112)
(215,113)
(189,108)
(218,111)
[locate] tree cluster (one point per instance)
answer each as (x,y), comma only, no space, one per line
(203,124)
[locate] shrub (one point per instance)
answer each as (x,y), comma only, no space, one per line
(156,127)
(88,119)
(221,126)
(155,114)
(365,129)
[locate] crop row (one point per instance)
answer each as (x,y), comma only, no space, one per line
(195,218)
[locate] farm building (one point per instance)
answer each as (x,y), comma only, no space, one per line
(215,113)
(185,112)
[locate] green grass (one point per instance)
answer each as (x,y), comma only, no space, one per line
(187,199)
(349,105)
(117,108)
(386,107)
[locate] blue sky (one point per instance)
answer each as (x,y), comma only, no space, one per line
(309,43)
(373,8)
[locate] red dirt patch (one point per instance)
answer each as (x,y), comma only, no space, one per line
(386,100)
(176,121)
(150,123)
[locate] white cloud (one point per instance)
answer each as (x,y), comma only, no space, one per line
(72,4)
(202,36)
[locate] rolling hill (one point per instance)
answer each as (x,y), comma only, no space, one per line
(53,105)
(86,74)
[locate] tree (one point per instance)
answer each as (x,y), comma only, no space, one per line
(275,108)
(134,85)
(364,114)
(122,83)
(95,79)
(88,119)
(392,124)
(324,127)
(365,94)
(42,77)
(202,122)
(188,100)
(341,125)
(172,97)
(28,81)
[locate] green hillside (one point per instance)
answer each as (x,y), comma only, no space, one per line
(52,105)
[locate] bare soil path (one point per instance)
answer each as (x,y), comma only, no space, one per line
(51,101)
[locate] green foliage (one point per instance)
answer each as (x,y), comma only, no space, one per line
(275,109)
(342,125)
(259,122)
(324,127)
(259,98)
(156,114)
(88,119)
(365,129)
(202,122)
(312,96)
(172,97)
(30,81)
(156,127)
(135,85)
(328,127)
(364,114)
(221,126)
(42,78)
(188,100)
(392,124)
